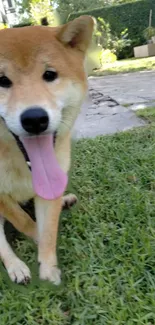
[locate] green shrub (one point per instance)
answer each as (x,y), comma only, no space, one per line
(103,33)
(108,40)
(149,32)
(122,45)
(107,56)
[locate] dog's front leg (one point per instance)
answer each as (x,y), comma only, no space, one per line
(47,215)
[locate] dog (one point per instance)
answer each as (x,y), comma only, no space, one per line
(42,86)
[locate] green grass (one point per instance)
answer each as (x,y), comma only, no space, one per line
(147,113)
(124,66)
(106,244)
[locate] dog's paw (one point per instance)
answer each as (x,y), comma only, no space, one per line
(18,271)
(69,200)
(50,273)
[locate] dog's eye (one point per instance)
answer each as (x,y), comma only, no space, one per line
(50,75)
(5,82)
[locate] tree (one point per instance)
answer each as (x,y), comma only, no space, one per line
(23,6)
(35,10)
(40,9)
(123,1)
(80,5)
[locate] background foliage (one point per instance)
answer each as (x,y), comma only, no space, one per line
(120,24)
(132,17)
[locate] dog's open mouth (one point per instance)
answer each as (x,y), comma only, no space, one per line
(49,181)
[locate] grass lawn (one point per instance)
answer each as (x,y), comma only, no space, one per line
(124,66)
(147,113)
(106,244)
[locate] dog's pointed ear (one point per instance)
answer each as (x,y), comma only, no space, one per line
(77,33)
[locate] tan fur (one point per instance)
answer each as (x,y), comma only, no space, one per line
(47,237)
(20,219)
(25,54)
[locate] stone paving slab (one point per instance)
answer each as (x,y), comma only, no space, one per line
(106,124)
(112,102)
(127,88)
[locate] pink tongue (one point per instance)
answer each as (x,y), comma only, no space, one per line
(49,181)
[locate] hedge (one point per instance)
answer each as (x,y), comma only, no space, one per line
(132,15)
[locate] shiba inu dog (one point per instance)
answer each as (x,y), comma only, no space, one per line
(42,86)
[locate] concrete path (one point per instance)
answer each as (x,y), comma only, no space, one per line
(112,102)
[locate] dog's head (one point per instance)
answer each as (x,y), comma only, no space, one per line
(42,76)
(42,86)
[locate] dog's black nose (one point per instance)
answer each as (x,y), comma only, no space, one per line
(35,120)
